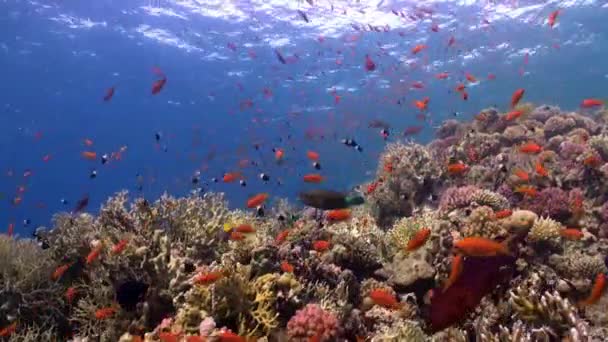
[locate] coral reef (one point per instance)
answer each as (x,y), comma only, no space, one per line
(527,195)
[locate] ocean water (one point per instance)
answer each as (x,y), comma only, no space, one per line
(58,58)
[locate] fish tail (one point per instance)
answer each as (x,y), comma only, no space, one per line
(354,200)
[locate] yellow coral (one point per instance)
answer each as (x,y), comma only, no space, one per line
(545,229)
(404,229)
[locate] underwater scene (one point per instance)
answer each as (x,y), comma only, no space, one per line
(304,170)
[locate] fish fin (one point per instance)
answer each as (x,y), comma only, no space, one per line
(354,200)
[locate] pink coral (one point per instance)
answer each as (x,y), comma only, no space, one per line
(312,321)
(456,197)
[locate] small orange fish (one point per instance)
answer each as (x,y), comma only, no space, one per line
(286,267)
(90,155)
(70,293)
(418,240)
(257,200)
(513,115)
(384,298)
(442,75)
(279,153)
(418,48)
(88,142)
(522,175)
(596,292)
(371,187)
(388,167)
(59,271)
(517,96)
(456,270)
(503,213)
(527,190)
(423,104)
(459,87)
(321,245)
(470,78)
(338,215)
(208,278)
(457,168)
(105,313)
(592,161)
(314,156)
(571,233)
(9,330)
(553,18)
(590,103)
(158,85)
(120,246)
(530,148)
(313,178)
(244,228)
(94,254)
(281,237)
(231,177)
(540,169)
(236,236)
(481,247)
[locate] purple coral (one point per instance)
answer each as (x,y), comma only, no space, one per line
(570,150)
(550,202)
(312,321)
(557,125)
(543,113)
(456,197)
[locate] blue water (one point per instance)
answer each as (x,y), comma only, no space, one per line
(59,57)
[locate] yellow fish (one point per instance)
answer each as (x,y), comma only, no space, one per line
(228,227)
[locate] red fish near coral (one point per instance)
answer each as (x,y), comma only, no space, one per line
(522,175)
(208,278)
(321,245)
(457,168)
(281,237)
(120,246)
(338,215)
(286,267)
(230,177)
(418,240)
(8,330)
(517,96)
(513,115)
(70,293)
(257,200)
(456,270)
(553,18)
(60,271)
(540,169)
(527,190)
(530,148)
(590,103)
(105,313)
(236,236)
(503,214)
(244,229)
(313,178)
(94,254)
(418,48)
(481,247)
(228,336)
(422,105)
(571,234)
(384,298)
(596,292)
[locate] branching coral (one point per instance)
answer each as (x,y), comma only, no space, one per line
(482,223)
(545,229)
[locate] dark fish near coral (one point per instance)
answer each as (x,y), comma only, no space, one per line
(81,204)
(329,200)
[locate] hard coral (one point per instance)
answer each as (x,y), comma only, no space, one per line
(544,229)
(312,321)
(456,197)
(550,202)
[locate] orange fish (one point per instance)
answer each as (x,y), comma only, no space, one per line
(470,78)
(94,254)
(279,153)
(481,247)
(456,270)
(281,237)
(321,245)
(105,313)
(236,236)
(457,168)
(553,18)
(540,169)
(120,246)
(596,292)
(442,76)
(510,116)
(422,105)
(338,215)
(59,271)
(530,147)
(158,85)
(314,156)
(230,177)
(459,87)
(88,142)
(208,278)
(592,161)
(503,213)
(90,155)
(571,233)
(244,228)
(371,187)
(418,240)
(526,190)
(313,178)
(384,298)
(257,200)
(590,103)
(9,330)
(70,293)
(418,48)
(286,267)
(522,175)
(516,97)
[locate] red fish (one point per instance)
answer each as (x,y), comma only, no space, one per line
(8,330)
(10,230)
(464,95)
(530,147)
(281,237)
(230,177)
(109,94)
(70,293)
(522,175)
(503,213)
(105,313)
(553,18)
(571,233)
(257,200)
(236,236)
(457,168)
(442,75)
(418,240)
(384,298)
(596,292)
(418,85)
(590,103)
(540,169)
(244,228)
(418,48)
(94,254)
(516,97)
(120,246)
(459,87)
(481,247)
(90,155)
(314,156)
(369,64)
(338,215)
(208,278)
(158,85)
(422,105)
(286,267)
(60,271)
(228,336)
(412,130)
(313,178)
(456,270)
(470,78)
(321,245)
(510,116)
